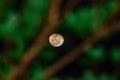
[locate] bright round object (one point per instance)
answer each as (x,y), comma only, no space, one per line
(56,40)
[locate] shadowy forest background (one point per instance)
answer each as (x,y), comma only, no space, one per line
(91,29)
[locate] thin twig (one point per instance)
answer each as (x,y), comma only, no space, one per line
(71,4)
(31,54)
(70,57)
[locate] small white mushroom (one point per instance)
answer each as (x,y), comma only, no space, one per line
(56,40)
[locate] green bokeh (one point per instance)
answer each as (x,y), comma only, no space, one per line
(84,21)
(96,53)
(24,26)
(115,55)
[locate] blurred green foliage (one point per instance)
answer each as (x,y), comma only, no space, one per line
(116,55)
(85,20)
(96,53)
(88,75)
(24,26)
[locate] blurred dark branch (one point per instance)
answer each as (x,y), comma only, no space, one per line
(7,48)
(1,76)
(3,7)
(71,4)
(51,25)
(32,52)
(117,71)
(70,57)
(97,35)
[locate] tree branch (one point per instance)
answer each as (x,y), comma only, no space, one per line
(70,5)
(70,57)
(32,52)
(1,76)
